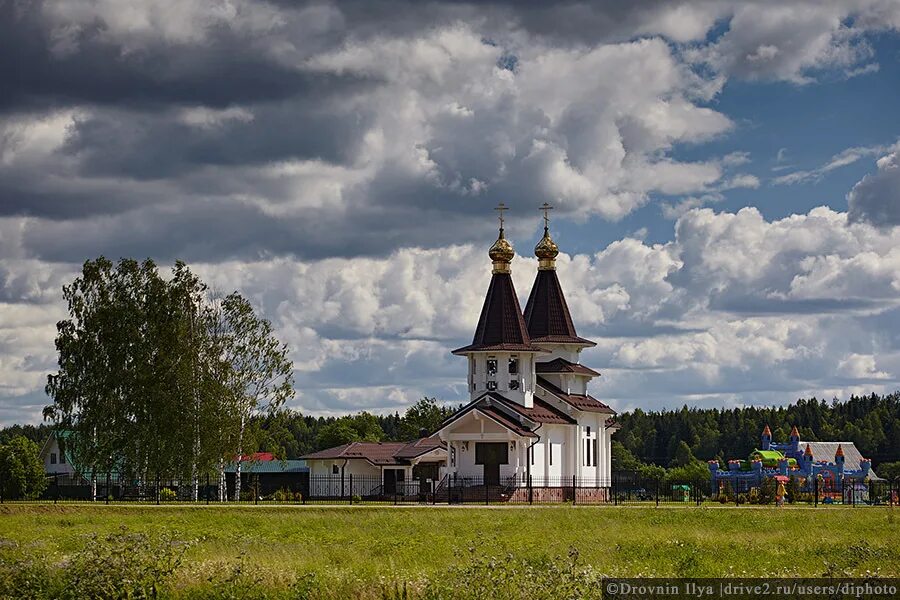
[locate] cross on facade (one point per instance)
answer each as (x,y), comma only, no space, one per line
(500,208)
(546,208)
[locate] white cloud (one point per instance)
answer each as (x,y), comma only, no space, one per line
(843,158)
(876,198)
(789,41)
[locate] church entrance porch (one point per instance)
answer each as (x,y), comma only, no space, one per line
(491,455)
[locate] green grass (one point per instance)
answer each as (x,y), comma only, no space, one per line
(365,548)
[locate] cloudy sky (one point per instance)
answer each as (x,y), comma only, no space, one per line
(726,179)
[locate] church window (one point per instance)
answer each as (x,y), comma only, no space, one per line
(62,458)
(492,386)
(596,452)
(513,365)
(589,431)
(513,384)
(334,469)
(53,458)
(492,366)
(452,456)
(551,455)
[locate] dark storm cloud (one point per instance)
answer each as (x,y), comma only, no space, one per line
(211,230)
(153,145)
(223,69)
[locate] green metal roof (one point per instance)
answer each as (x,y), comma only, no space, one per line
(270,466)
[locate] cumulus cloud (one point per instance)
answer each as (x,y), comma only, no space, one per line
(876,198)
(334,161)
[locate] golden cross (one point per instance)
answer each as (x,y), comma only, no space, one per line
(546,208)
(500,208)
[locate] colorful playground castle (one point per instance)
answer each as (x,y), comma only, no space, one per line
(831,463)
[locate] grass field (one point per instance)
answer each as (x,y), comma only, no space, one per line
(374,551)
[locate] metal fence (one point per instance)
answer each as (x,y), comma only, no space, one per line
(847,492)
(621,489)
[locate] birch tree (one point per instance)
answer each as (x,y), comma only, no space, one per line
(258,372)
(156,378)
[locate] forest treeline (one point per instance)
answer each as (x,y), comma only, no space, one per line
(871,422)
(650,437)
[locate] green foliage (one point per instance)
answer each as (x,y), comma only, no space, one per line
(623,459)
(871,422)
(156,376)
(425,415)
(36,433)
(794,492)
(21,470)
(337,433)
(683,456)
(484,577)
(286,495)
(117,566)
(890,470)
(429,549)
(766,491)
(167,495)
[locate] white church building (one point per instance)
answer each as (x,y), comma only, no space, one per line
(530,417)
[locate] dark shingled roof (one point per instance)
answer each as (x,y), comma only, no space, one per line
(547,314)
(541,412)
(585,403)
(490,403)
(501,326)
(378,453)
(561,365)
(501,417)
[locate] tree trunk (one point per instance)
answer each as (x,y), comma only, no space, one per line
(223,493)
(195,470)
(240,457)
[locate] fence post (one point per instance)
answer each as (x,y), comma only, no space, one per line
(256,489)
(530,490)
(107,487)
(351,489)
(657,492)
(815,491)
(433,495)
(485,491)
(56,486)
(612,487)
(450,488)
(574,489)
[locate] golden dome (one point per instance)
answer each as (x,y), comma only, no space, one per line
(502,251)
(546,248)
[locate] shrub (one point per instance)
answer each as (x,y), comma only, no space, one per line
(742,499)
(112,567)
(510,576)
(167,495)
(356,498)
(124,565)
(22,468)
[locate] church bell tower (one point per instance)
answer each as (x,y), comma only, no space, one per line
(501,355)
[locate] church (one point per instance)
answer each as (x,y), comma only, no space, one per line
(530,427)
(530,421)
